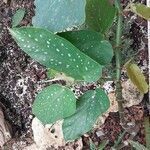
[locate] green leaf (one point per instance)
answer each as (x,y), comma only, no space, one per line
(137,145)
(103,145)
(147,131)
(54,103)
(92,44)
(92,146)
(51,73)
(119,139)
(89,107)
(56,53)
(18,16)
(100,147)
(58,15)
(137,77)
(99,15)
(141,10)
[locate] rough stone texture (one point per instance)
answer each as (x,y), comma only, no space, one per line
(5,134)
(19,74)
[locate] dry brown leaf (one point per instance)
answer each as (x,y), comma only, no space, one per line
(45,138)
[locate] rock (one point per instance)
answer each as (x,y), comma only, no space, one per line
(31,147)
(131,94)
(4,130)
(99,133)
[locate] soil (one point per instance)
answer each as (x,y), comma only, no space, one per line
(20,76)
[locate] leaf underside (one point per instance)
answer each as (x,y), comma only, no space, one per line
(58,15)
(56,53)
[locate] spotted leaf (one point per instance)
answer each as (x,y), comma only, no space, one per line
(89,107)
(141,10)
(56,53)
(135,75)
(92,44)
(57,15)
(99,15)
(54,103)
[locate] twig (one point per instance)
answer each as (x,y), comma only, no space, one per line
(49,81)
(118,63)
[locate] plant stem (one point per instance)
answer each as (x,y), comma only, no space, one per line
(147,131)
(118,62)
(119,140)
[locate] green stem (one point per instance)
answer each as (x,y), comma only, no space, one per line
(119,140)
(118,61)
(147,131)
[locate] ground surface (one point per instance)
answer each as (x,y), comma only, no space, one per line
(19,76)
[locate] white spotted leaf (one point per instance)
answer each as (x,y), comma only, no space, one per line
(99,14)
(58,15)
(54,103)
(92,44)
(89,107)
(56,53)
